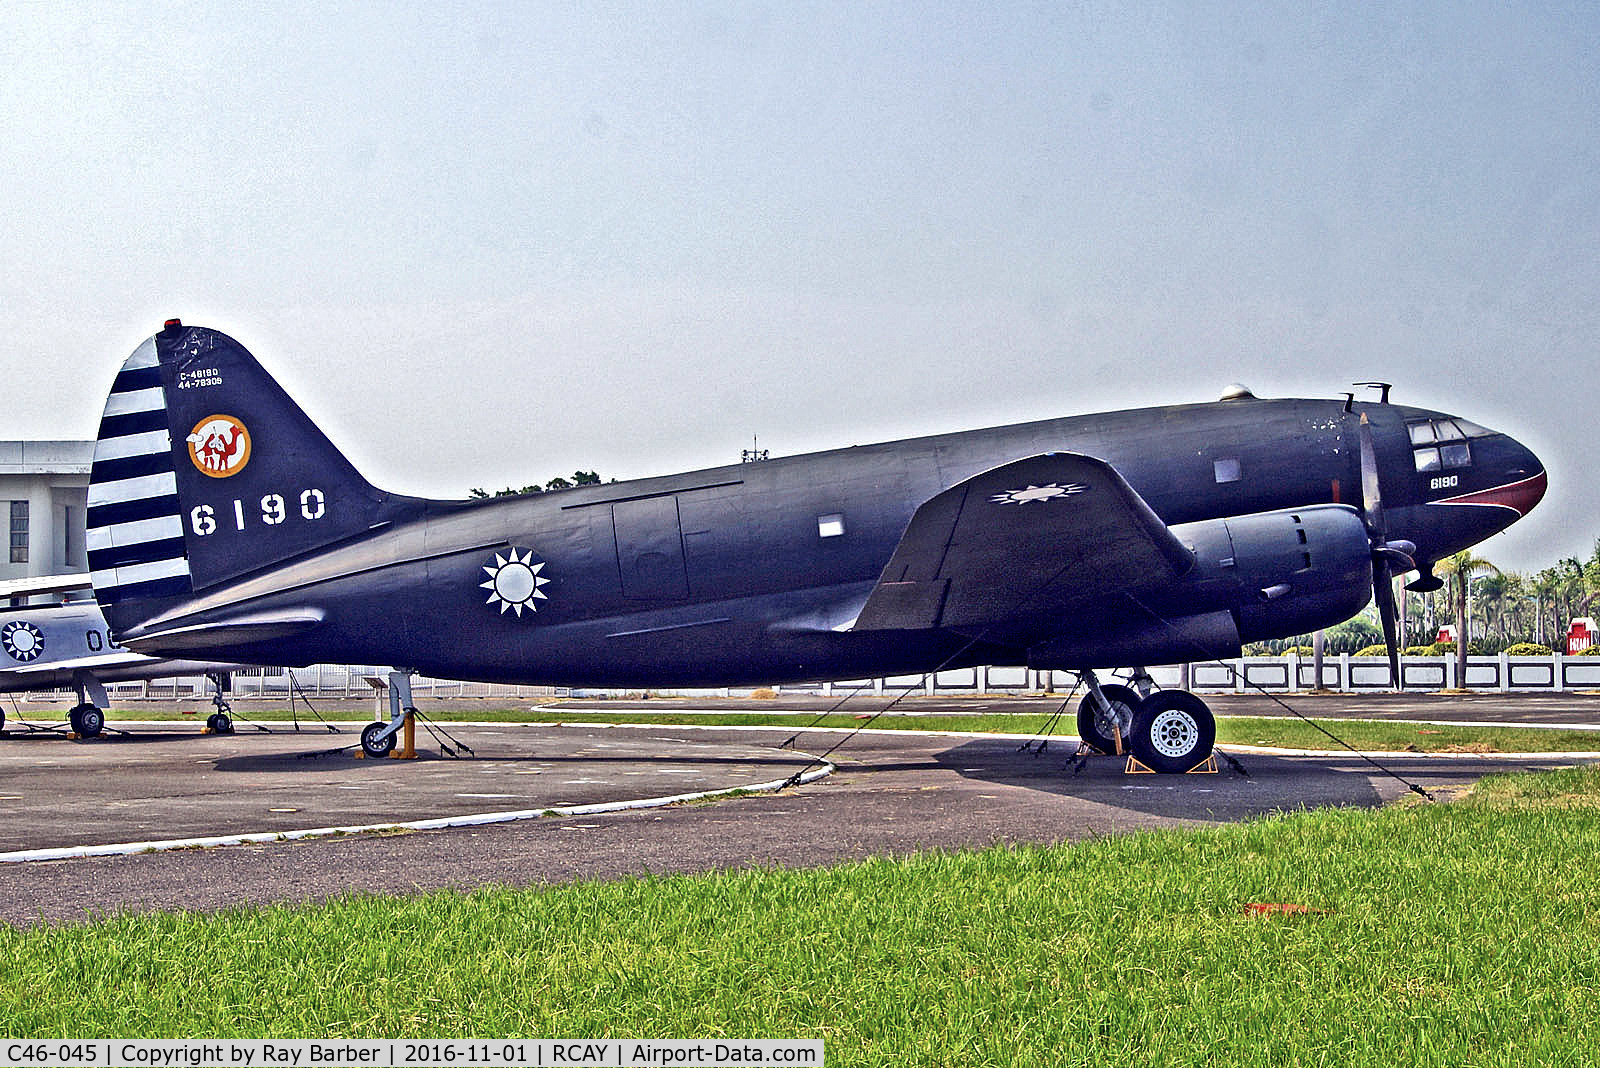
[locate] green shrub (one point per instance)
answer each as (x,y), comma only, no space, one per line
(1372,650)
(1528,649)
(1593,650)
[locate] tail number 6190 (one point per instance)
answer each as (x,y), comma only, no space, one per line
(274,510)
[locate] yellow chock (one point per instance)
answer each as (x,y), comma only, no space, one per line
(408,744)
(1208,766)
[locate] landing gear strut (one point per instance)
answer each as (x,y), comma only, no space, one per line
(378,739)
(1169,731)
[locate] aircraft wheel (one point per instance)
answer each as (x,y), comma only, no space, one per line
(220,723)
(1173,731)
(371,744)
(87,721)
(1124,703)
(2,721)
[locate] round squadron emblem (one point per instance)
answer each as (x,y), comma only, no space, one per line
(22,640)
(514,582)
(219,446)
(1038,493)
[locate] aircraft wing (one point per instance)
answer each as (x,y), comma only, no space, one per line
(1005,554)
(98,662)
(28,587)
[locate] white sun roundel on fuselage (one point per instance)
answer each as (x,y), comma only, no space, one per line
(23,641)
(1051,492)
(514,581)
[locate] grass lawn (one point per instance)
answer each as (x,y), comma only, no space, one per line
(1460,934)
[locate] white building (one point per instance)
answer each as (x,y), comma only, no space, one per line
(44,494)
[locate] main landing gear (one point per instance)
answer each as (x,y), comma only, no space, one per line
(1170,731)
(220,721)
(88,717)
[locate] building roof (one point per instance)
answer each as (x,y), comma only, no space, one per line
(46,457)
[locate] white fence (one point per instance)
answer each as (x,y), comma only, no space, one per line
(1273,674)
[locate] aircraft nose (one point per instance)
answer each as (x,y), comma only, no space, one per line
(1517,478)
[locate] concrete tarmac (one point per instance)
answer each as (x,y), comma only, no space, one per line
(894,793)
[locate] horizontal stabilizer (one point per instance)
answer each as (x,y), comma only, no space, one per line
(1007,553)
(244,630)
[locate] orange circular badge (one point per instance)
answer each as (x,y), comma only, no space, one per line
(219,446)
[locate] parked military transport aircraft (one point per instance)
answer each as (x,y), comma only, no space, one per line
(51,646)
(223,523)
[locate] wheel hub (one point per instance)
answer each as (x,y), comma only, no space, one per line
(1119,719)
(1174,733)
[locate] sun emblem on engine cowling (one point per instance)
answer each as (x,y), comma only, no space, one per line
(22,640)
(515,581)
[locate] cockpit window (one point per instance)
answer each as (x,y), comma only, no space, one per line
(1440,444)
(1440,457)
(1445,430)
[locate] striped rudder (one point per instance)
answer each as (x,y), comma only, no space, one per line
(135,538)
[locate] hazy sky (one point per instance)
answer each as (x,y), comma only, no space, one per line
(489,244)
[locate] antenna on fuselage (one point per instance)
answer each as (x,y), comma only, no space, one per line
(1383,389)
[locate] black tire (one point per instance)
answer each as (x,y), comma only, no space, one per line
(220,723)
(1124,701)
(1173,732)
(371,744)
(2,721)
(87,721)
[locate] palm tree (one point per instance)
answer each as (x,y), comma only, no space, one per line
(1461,567)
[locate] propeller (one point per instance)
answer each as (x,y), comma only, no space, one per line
(1389,558)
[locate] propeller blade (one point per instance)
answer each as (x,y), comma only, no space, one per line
(1371,495)
(1383,596)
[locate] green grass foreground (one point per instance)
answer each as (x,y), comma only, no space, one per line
(1460,934)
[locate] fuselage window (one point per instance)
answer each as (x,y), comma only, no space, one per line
(830,526)
(1226,470)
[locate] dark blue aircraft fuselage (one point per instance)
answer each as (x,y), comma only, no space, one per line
(271,549)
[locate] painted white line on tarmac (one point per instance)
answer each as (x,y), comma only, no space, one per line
(472,820)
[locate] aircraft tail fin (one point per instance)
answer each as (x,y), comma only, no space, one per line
(206,470)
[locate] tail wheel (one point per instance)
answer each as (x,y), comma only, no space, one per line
(87,721)
(371,744)
(1172,732)
(1095,727)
